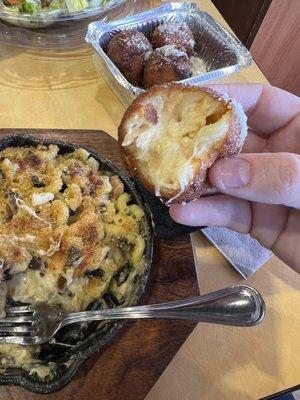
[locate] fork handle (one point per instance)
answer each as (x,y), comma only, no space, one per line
(236,305)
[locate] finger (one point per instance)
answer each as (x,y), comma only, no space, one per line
(263,221)
(268,221)
(283,140)
(219,210)
(254,143)
(268,108)
(272,178)
(287,244)
(286,139)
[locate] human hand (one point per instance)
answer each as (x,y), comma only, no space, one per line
(259,188)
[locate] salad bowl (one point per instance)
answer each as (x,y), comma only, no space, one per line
(43,13)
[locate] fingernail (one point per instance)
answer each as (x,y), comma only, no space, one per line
(235,173)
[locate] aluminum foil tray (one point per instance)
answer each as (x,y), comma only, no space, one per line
(221,52)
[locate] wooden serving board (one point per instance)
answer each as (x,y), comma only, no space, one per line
(130,365)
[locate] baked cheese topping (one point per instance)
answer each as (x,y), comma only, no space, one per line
(69,234)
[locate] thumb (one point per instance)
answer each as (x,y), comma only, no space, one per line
(272,178)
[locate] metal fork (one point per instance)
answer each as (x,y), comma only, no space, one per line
(237,305)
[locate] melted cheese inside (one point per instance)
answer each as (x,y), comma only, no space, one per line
(186,127)
(16,356)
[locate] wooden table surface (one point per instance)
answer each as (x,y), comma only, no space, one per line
(44,90)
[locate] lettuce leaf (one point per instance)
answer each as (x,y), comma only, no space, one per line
(30,6)
(76,5)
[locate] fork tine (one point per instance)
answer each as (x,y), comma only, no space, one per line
(14,320)
(24,340)
(19,310)
(18,329)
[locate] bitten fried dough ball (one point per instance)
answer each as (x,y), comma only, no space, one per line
(166,64)
(127,51)
(171,135)
(175,33)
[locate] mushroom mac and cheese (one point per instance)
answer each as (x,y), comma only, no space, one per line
(69,233)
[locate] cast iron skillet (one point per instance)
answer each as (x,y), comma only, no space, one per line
(74,346)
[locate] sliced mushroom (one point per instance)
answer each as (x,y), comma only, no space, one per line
(94,273)
(61,282)
(37,182)
(123,274)
(74,255)
(113,299)
(4,271)
(37,263)
(12,198)
(9,214)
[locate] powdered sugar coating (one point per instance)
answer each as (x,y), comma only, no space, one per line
(198,65)
(135,40)
(241,120)
(166,64)
(128,50)
(178,34)
(170,50)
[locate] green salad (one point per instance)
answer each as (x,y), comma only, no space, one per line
(40,6)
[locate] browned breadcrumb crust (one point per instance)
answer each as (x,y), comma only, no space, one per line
(57,214)
(229,145)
